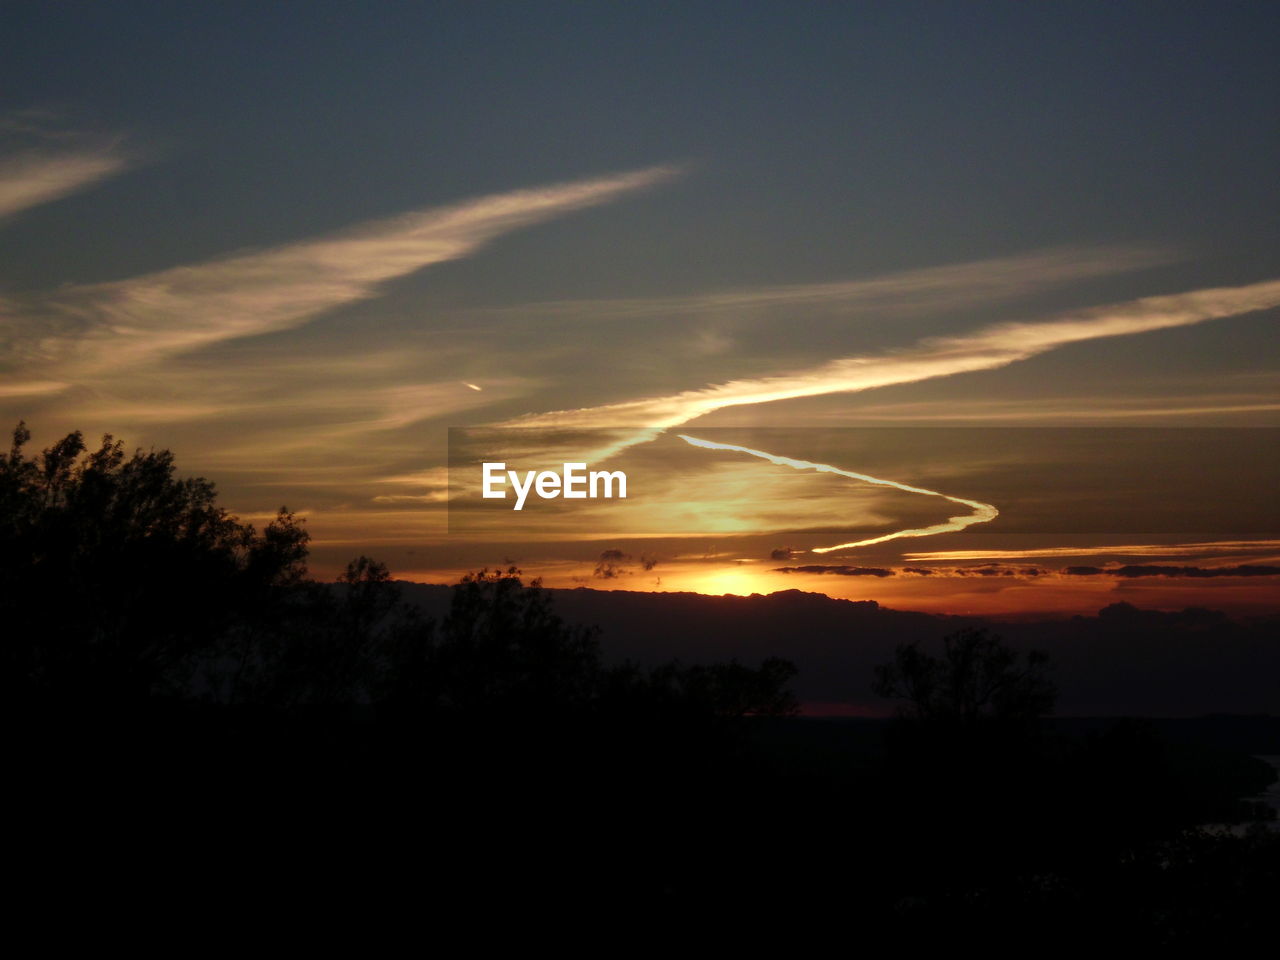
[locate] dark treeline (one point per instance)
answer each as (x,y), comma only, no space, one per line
(171,672)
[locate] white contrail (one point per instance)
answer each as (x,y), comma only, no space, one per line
(989,348)
(985,349)
(982,512)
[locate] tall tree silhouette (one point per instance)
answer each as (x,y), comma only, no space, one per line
(976,678)
(965,763)
(120,576)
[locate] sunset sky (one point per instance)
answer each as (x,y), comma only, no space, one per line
(1016,264)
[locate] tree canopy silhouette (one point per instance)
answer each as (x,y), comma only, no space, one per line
(502,649)
(126,583)
(119,575)
(976,678)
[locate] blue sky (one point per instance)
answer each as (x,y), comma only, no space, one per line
(827,137)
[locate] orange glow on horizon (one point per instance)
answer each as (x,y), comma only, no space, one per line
(1003,597)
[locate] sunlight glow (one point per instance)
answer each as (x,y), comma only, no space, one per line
(982,512)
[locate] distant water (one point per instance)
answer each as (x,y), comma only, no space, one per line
(1269,798)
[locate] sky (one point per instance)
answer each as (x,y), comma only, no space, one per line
(983,295)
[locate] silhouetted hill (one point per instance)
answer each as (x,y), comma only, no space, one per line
(1123,661)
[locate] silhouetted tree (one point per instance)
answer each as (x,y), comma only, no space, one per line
(500,648)
(322,644)
(976,678)
(119,576)
(964,764)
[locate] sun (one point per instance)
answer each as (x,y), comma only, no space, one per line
(734,580)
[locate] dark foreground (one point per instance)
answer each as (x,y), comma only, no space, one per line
(198,738)
(757,826)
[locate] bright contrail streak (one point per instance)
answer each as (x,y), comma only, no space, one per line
(989,348)
(982,512)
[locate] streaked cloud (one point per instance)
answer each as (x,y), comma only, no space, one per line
(1121,550)
(337,408)
(837,570)
(98,329)
(979,512)
(34,177)
(895,294)
(1126,572)
(31,388)
(1069,409)
(1131,571)
(986,349)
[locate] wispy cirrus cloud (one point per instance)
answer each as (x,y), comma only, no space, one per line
(1074,410)
(30,388)
(335,409)
(101,328)
(985,349)
(34,177)
(1122,550)
(1134,571)
(1126,572)
(895,294)
(42,159)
